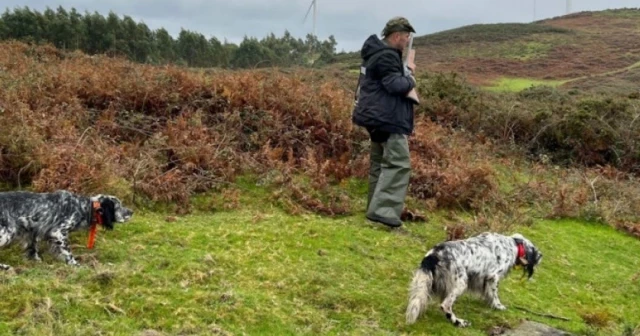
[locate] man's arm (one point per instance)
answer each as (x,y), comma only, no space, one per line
(394,82)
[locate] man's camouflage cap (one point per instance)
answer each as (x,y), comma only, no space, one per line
(397,24)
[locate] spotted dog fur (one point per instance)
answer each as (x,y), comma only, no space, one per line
(32,217)
(476,264)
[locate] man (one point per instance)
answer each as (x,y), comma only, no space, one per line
(383,108)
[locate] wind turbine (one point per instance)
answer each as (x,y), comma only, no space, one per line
(568,6)
(315,11)
(534,10)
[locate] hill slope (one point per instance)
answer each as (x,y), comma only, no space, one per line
(625,79)
(250,144)
(257,271)
(561,48)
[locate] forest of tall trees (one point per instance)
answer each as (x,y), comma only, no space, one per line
(94,33)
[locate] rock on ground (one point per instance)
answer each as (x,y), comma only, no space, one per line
(530,328)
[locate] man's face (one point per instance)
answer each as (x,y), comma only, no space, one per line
(401,40)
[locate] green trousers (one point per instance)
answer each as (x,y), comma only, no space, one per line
(389,174)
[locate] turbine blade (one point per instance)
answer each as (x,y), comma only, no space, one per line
(308,10)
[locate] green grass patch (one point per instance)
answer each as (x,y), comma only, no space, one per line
(626,13)
(521,50)
(519,84)
(488,33)
(257,270)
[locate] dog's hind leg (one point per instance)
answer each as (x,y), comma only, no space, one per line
(459,286)
(59,243)
(6,236)
(491,292)
(30,235)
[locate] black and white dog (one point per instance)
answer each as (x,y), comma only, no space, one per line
(32,217)
(477,264)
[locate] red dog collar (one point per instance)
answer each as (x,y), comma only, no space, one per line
(521,250)
(521,257)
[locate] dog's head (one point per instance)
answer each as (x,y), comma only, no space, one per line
(532,255)
(112,211)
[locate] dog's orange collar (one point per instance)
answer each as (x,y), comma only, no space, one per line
(96,218)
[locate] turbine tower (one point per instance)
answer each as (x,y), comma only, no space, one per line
(315,12)
(568,6)
(534,10)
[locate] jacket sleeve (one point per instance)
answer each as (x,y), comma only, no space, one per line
(393,81)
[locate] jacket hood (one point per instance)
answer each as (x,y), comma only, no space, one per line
(372,45)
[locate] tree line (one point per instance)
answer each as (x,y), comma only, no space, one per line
(94,33)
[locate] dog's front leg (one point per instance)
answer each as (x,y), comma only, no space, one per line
(59,242)
(31,247)
(491,293)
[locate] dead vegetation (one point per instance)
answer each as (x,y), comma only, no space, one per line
(165,134)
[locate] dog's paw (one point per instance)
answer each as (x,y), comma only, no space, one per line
(462,323)
(499,306)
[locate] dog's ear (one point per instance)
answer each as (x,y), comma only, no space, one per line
(533,258)
(517,236)
(108,213)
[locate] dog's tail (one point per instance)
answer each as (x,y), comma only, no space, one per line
(421,286)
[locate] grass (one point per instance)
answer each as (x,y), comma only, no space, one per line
(488,33)
(506,84)
(521,50)
(256,270)
(608,73)
(519,84)
(626,13)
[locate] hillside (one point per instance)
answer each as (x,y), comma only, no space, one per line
(168,133)
(561,48)
(253,270)
(626,80)
(249,189)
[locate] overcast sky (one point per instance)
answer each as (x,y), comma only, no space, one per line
(350,23)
